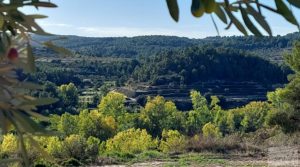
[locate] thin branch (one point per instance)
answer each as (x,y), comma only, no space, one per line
(215,25)
(268,8)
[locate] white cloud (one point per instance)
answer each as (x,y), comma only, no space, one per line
(48,24)
(137,31)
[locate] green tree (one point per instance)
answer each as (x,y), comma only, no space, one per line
(55,147)
(51,89)
(160,114)
(96,124)
(172,142)
(131,141)
(254,115)
(210,130)
(68,124)
(200,115)
(214,105)
(285,102)
(113,104)
(220,120)
(69,95)
(233,120)
(219,115)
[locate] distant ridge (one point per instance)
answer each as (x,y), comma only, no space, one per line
(270,48)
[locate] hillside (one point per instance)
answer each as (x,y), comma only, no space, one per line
(270,48)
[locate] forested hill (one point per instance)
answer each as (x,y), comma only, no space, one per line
(270,48)
(196,64)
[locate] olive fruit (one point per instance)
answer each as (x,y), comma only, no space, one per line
(13,54)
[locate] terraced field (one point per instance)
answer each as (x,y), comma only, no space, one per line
(231,94)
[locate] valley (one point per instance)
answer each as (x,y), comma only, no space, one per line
(170,67)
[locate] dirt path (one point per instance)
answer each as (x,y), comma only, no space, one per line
(204,160)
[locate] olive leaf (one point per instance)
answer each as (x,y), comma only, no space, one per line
(249,23)
(236,22)
(259,18)
(294,2)
(30,59)
(221,14)
(173,9)
(285,12)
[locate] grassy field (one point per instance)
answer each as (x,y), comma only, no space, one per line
(157,159)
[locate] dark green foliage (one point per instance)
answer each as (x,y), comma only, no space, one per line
(71,162)
(286,111)
(43,163)
(206,63)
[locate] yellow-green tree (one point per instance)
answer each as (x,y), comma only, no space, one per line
(210,130)
(96,124)
(55,147)
(131,141)
(254,115)
(68,124)
(160,114)
(200,115)
(113,104)
(9,145)
(172,142)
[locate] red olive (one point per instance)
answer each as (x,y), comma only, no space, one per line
(13,54)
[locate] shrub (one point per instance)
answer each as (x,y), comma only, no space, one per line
(210,130)
(74,147)
(254,115)
(199,143)
(151,154)
(9,148)
(9,145)
(131,141)
(71,162)
(55,147)
(92,148)
(120,156)
(172,142)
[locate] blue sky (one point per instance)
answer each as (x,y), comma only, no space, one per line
(105,18)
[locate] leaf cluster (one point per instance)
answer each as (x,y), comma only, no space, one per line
(249,10)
